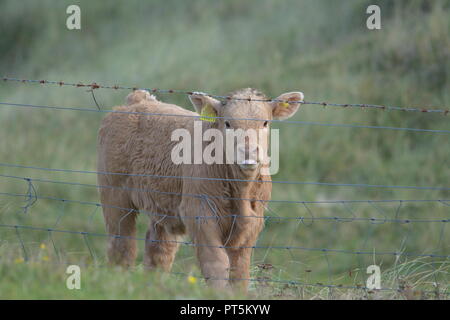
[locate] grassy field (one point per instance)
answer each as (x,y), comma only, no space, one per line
(322,48)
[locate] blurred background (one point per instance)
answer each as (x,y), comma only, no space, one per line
(322,48)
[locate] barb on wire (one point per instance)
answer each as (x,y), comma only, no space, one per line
(222,97)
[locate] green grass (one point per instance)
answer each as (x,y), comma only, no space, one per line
(46,280)
(319,47)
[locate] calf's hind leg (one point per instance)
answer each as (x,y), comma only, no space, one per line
(161,245)
(121,227)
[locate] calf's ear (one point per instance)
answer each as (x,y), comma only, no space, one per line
(205,105)
(289,105)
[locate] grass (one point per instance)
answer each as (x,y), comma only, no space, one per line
(44,281)
(41,279)
(319,47)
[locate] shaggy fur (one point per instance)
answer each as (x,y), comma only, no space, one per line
(141,144)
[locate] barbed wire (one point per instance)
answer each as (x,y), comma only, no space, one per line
(22,105)
(95,85)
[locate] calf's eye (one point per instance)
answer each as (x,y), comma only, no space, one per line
(266,123)
(227,124)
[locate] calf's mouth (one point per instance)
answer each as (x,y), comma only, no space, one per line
(249,165)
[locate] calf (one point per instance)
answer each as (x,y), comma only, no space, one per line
(219,205)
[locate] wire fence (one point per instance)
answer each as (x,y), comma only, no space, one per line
(22,105)
(94,86)
(377,214)
(264,280)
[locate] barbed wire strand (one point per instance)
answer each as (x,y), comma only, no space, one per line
(94,86)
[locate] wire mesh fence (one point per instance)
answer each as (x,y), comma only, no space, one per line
(315,244)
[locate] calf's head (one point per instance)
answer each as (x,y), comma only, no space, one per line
(245,118)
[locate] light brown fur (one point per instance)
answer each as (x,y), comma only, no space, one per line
(140,144)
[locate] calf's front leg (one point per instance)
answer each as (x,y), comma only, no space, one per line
(211,254)
(215,265)
(239,267)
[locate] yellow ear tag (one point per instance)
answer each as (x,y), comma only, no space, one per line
(208,111)
(284,104)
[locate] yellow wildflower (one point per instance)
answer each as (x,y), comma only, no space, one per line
(19,260)
(192,279)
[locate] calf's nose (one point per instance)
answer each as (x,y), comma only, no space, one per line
(248,156)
